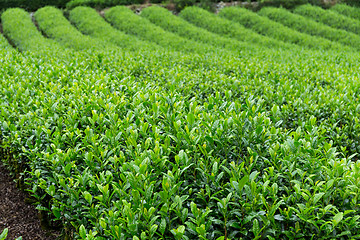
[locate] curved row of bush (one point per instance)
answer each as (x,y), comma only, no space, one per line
(58,165)
(209,21)
(303,24)
(98,149)
(346,10)
(53,24)
(328,17)
(21,31)
(105,156)
(125,20)
(89,22)
(264,25)
(168,21)
(144,154)
(108,146)
(132,146)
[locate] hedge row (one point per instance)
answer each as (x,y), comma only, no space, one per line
(139,155)
(348,11)
(169,22)
(264,25)
(125,20)
(53,23)
(305,25)
(21,31)
(329,17)
(148,149)
(89,22)
(209,21)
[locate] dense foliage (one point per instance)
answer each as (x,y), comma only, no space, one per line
(89,22)
(27,37)
(170,22)
(311,27)
(329,17)
(265,26)
(178,138)
(53,24)
(125,20)
(347,11)
(204,19)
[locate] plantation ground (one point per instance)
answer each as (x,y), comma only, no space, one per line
(21,218)
(198,126)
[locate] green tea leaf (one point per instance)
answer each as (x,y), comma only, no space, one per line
(82,232)
(4,234)
(337,218)
(317,197)
(162,226)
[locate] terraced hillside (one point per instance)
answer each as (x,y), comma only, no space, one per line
(240,125)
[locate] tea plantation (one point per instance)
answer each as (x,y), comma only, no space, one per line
(239,125)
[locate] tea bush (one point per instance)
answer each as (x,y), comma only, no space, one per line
(348,11)
(89,22)
(171,144)
(165,19)
(265,26)
(302,24)
(329,17)
(125,20)
(20,30)
(52,22)
(204,19)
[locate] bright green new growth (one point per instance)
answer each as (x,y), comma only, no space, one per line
(303,24)
(125,20)
(89,22)
(348,11)
(19,28)
(265,26)
(107,147)
(168,21)
(53,23)
(209,21)
(4,234)
(171,145)
(329,17)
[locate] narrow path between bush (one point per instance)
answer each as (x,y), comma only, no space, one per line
(20,218)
